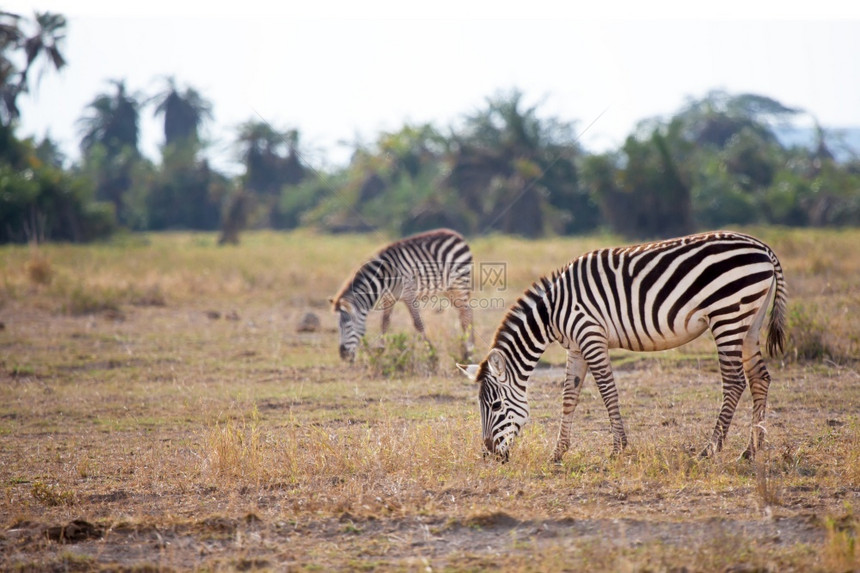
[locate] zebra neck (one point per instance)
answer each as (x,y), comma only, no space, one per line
(526,332)
(370,284)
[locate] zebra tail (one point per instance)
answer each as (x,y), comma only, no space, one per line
(776,328)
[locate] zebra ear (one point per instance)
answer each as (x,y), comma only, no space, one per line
(470,370)
(496,362)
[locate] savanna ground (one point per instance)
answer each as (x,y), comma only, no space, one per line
(160,410)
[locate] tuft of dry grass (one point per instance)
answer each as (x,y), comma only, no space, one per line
(91,300)
(51,495)
(841,546)
(236,450)
(38,268)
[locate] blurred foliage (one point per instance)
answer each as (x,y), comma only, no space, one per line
(40,202)
(641,190)
(39,199)
(185,192)
(716,163)
(506,167)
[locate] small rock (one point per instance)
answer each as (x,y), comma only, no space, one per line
(77,530)
(310,323)
(114,314)
(213,314)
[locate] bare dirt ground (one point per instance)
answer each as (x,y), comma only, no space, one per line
(189,424)
(126,447)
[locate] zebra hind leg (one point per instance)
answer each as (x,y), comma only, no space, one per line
(731,371)
(412,303)
(460,300)
(759,381)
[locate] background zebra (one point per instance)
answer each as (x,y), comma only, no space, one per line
(411,270)
(646,297)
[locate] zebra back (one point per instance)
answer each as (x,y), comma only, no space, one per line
(623,289)
(436,261)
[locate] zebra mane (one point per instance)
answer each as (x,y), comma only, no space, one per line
(537,292)
(358,276)
(421,237)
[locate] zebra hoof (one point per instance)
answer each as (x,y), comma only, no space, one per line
(501,458)
(748,455)
(708,452)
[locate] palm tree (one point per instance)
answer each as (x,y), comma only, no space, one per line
(112,122)
(183,113)
(10,39)
(43,43)
(109,138)
(271,157)
(50,32)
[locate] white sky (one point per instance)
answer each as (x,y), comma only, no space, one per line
(342,70)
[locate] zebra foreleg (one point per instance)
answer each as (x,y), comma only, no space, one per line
(386,317)
(731,371)
(573,381)
(602,372)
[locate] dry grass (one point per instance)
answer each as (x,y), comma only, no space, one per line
(38,267)
(183,421)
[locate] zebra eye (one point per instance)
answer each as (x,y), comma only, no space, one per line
(496,406)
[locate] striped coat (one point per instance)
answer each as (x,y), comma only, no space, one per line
(645,297)
(414,270)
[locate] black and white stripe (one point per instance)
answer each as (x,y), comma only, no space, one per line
(645,297)
(414,269)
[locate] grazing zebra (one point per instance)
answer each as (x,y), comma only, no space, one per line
(646,297)
(411,270)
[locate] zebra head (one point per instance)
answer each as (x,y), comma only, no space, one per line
(352,322)
(504,408)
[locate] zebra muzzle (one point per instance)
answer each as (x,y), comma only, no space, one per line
(491,451)
(346,354)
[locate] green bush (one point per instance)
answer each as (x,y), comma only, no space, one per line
(45,203)
(807,336)
(399,355)
(89,300)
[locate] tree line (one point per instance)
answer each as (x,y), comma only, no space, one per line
(507,168)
